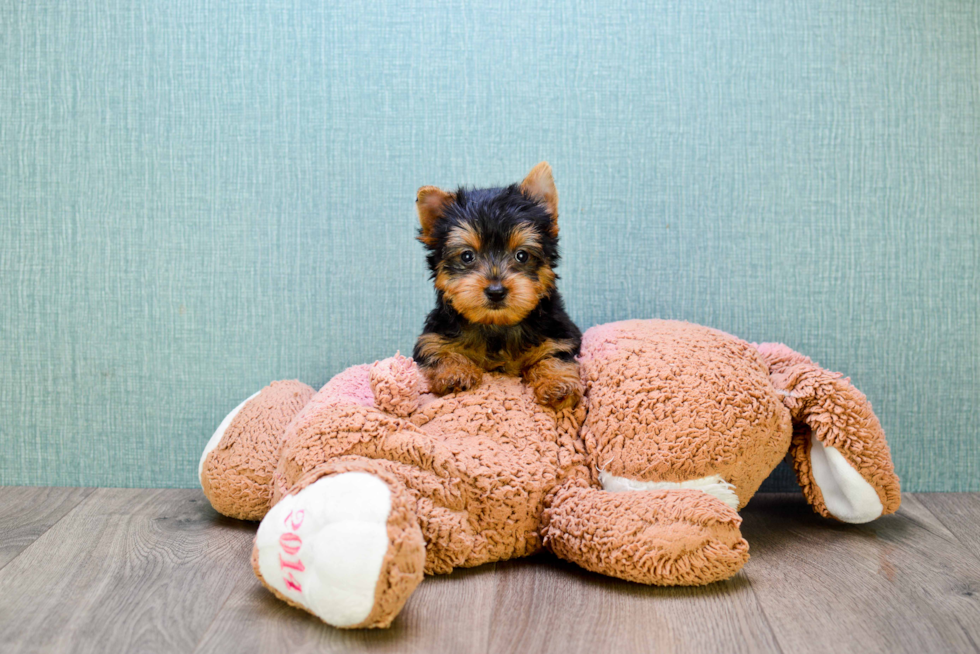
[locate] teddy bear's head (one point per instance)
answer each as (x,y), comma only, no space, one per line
(672,404)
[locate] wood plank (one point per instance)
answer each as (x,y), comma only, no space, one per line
(902,583)
(447,613)
(159,571)
(27,512)
(959,513)
(126,571)
(544,604)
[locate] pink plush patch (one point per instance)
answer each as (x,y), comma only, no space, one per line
(352,386)
(599,342)
(395,382)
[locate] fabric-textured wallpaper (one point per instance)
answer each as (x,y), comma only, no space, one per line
(197,198)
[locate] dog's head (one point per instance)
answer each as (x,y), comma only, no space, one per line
(492,252)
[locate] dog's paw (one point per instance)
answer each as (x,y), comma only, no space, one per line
(454,374)
(557,393)
(556,383)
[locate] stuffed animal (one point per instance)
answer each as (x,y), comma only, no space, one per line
(372,482)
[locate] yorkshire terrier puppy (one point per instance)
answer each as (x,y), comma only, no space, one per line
(492,254)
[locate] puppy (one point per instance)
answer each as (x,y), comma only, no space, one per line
(492,255)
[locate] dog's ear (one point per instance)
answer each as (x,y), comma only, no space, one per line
(540,185)
(430,202)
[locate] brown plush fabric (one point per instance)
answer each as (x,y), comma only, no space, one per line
(396,386)
(490,474)
(672,401)
(664,537)
(237,474)
(479,464)
(827,405)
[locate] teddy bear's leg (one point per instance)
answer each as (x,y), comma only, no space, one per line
(678,537)
(344,544)
(452,539)
(238,462)
(839,450)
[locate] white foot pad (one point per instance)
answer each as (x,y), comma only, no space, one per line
(323,547)
(713,485)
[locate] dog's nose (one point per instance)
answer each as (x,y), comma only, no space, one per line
(495,292)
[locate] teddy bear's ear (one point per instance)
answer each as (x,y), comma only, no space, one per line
(839,452)
(844,492)
(540,185)
(431,203)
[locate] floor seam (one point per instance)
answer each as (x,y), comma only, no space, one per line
(952,533)
(92,491)
(224,602)
(493,609)
(765,615)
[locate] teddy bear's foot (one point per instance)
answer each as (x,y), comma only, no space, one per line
(347,548)
(676,537)
(220,432)
(239,460)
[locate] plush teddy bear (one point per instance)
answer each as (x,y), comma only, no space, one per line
(372,482)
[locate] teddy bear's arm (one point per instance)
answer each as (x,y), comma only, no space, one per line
(839,452)
(662,537)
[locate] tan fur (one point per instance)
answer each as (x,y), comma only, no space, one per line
(523,237)
(430,203)
(556,383)
(523,294)
(462,237)
(466,292)
(540,185)
(467,296)
(491,474)
(470,345)
(453,372)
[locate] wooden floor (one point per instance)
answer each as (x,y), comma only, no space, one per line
(119,570)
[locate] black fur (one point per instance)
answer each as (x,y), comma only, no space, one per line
(494,213)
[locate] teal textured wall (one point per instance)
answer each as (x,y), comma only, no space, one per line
(197,198)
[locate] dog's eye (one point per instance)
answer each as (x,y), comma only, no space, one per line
(467,256)
(521,256)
